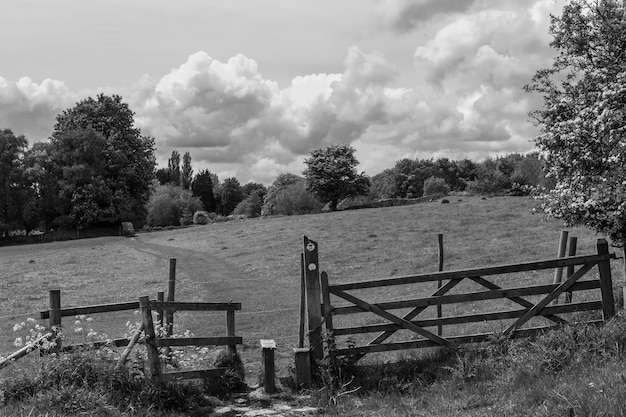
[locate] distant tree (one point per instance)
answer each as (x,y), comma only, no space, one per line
(450,172)
(250,206)
(125,164)
(251,187)
(202,187)
(384,184)
(173,166)
(171,205)
(435,185)
(163,175)
(41,175)
(583,119)
(230,195)
(295,199)
(332,176)
(282,181)
(411,174)
(186,172)
(12,189)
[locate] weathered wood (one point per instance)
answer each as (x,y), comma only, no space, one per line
(230,330)
(54,313)
(460,274)
(171,290)
(564,286)
(327,307)
(269,372)
(459,298)
(573,244)
(524,303)
(606,283)
(121,342)
(457,340)
(197,374)
(303,367)
(558,272)
(302,322)
(388,316)
(133,341)
(25,350)
(151,341)
(199,341)
(313,292)
(161,298)
(470,318)
(94,309)
(440,282)
(193,306)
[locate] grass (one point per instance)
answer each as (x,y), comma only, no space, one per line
(256,262)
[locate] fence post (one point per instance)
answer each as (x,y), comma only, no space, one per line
(302,303)
(171,288)
(606,283)
(314,305)
(440,282)
(230,329)
(160,297)
(268,347)
(573,243)
(151,346)
(55,318)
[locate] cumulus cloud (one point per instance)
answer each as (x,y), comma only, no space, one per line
(29,108)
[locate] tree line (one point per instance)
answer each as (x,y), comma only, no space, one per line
(97,169)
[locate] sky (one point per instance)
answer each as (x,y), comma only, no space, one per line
(250,87)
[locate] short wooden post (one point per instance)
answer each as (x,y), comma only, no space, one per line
(303,367)
(171,289)
(55,318)
(573,243)
(314,305)
(150,336)
(230,329)
(268,347)
(160,297)
(606,283)
(440,282)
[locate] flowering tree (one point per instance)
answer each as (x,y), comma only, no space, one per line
(583,119)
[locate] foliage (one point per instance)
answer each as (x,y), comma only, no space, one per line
(332,176)
(173,167)
(435,185)
(296,199)
(186,172)
(251,206)
(582,122)
(252,187)
(269,201)
(12,191)
(202,187)
(384,184)
(230,195)
(124,167)
(170,205)
(201,217)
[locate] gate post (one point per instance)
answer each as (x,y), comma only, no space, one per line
(313,300)
(606,283)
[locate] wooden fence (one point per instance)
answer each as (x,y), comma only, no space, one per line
(317,285)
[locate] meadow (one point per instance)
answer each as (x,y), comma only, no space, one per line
(257,262)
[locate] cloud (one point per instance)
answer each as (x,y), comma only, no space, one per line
(402,16)
(29,108)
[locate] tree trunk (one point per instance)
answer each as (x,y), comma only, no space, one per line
(333,205)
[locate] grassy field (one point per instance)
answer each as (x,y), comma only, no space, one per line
(256,262)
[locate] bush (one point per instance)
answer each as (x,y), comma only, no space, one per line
(436,185)
(295,199)
(251,206)
(201,217)
(128,229)
(170,205)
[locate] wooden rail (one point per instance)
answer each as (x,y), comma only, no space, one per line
(577,267)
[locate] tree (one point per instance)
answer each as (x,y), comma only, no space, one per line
(12,150)
(173,166)
(121,159)
(583,120)
(332,176)
(230,195)
(202,187)
(269,200)
(186,172)
(435,185)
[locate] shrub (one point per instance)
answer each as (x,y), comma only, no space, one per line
(251,206)
(128,229)
(295,199)
(201,217)
(436,185)
(170,205)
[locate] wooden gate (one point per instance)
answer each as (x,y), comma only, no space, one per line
(515,320)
